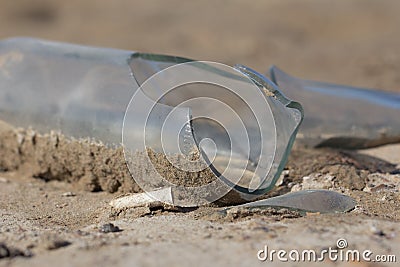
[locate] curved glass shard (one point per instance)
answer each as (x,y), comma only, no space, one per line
(249,125)
(323,201)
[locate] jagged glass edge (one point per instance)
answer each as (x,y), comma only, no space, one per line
(265,83)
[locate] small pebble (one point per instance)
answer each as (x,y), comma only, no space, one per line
(56,244)
(62,205)
(109,228)
(377,231)
(3,180)
(6,252)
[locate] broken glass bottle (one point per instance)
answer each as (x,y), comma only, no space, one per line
(170,109)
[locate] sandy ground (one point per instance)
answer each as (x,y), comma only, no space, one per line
(58,222)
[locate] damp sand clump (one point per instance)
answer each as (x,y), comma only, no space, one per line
(87,164)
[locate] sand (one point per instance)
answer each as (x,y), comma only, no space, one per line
(87,164)
(50,206)
(54,204)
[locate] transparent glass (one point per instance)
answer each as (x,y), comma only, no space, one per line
(80,91)
(322,201)
(342,116)
(105,94)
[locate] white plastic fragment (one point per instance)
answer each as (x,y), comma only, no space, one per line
(143,199)
(68,194)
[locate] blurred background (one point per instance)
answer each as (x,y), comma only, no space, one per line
(355,42)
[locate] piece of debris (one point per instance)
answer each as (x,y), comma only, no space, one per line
(109,228)
(152,199)
(315,181)
(68,194)
(4,180)
(62,205)
(53,244)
